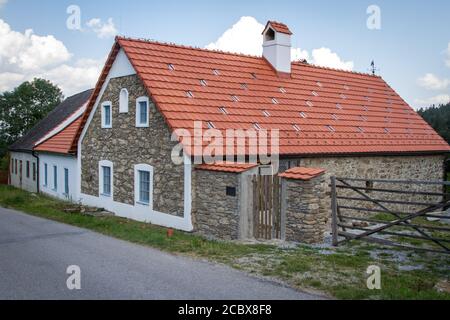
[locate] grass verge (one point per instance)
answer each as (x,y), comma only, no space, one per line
(340,272)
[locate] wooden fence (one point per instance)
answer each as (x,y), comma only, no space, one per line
(358,203)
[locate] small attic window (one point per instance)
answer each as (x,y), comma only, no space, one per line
(360,129)
(223,110)
(189,94)
(315,94)
(319,84)
(343,96)
(386,130)
(270,35)
(234,98)
(331,129)
(210,125)
(203,83)
(309,104)
(244,86)
(339,106)
(171,67)
(275,101)
(216,72)
(303,115)
(282,90)
(296,127)
(334,117)
(257,126)
(363,118)
(365,108)
(266,113)
(254,75)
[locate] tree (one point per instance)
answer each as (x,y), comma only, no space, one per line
(24,107)
(439,119)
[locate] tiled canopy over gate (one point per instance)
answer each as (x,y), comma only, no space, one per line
(317,110)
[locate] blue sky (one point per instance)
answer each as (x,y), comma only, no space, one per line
(410,50)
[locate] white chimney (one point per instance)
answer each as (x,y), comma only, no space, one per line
(277,46)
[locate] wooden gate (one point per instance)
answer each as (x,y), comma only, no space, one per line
(267,207)
(364,209)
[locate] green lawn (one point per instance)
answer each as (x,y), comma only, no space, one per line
(338,272)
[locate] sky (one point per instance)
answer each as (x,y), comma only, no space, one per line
(67,42)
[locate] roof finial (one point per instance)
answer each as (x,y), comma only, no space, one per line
(373,69)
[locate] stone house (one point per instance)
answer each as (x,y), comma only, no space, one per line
(330,122)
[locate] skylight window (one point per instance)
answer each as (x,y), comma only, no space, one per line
(319,84)
(343,96)
(367,98)
(346,87)
(235,98)
(334,117)
(363,118)
(257,126)
(387,119)
(275,101)
(210,125)
(189,94)
(223,110)
(331,129)
(254,75)
(360,129)
(303,115)
(282,90)
(266,113)
(244,86)
(386,130)
(309,104)
(365,108)
(216,72)
(296,128)
(170,67)
(339,106)
(314,93)
(203,83)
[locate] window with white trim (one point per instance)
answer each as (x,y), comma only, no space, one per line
(143,184)
(45,175)
(105,179)
(66,181)
(55,178)
(107,115)
(123,101)
(142,112)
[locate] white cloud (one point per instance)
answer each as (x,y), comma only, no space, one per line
(24,56)
(103,30)
(245,37)
(432,82)
(439,99)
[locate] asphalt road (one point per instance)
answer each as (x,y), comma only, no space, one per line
(35,254)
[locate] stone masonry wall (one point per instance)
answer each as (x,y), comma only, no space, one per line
(383,167)
(125,145)
(214,213)
(306,212)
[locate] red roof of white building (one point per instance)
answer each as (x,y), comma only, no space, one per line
(317,110)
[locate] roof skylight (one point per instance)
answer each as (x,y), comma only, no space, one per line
(303,115)
(331,129)
(235,98)
(203,82)
(275,101)
(189,94)
(210,125)
(223,110)
(216,72)
(314,93)
(309,104)
(266,113)
(244,86)
(334,116)
(170,67)
(282,90)
(360,129)
(257,126)
(296,127)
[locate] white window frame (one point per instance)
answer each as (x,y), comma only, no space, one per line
(123,101)
(104,125)
(66,181)
(55,177)
(101,164)
(46,175)
(148,168)
(138,112)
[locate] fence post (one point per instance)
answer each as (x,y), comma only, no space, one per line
(334,208)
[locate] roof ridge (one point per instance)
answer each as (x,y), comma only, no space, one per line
(301,62)
(176,45)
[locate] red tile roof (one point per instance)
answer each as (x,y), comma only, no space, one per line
(227,167)
(61,142)
(279,27)
(317,110)
(300,173)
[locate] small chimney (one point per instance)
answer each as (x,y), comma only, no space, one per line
(277,46)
